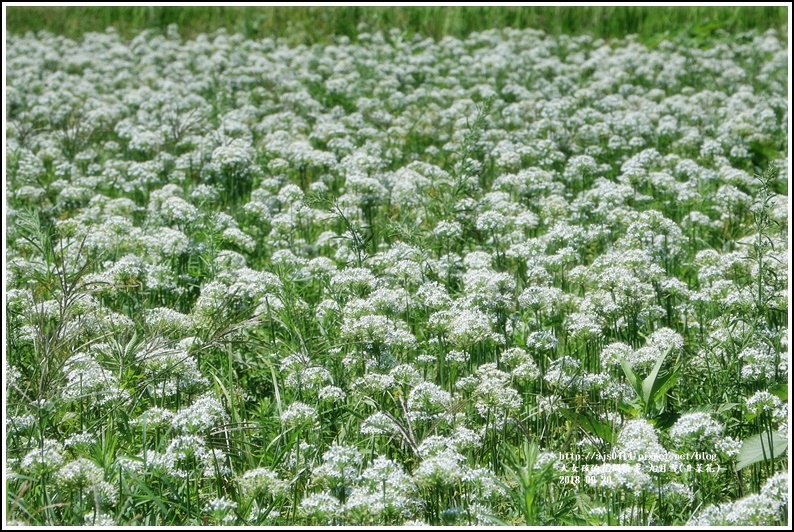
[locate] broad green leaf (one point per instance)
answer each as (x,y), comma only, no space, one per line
(497,520)
(632,408)
(757,448)
(666,420)
(665,384)
(780,390)
(599,428)
(661,385)
(591,425)
(650,381)
(630,374)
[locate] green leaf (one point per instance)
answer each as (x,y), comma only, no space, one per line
(630,375)
(663,384)
(757,448)
(652,384)
(666,420)
(633,408)
(780,390)
(591,425)
(498,521)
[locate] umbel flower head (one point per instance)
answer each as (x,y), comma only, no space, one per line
(259,481)
(767,508)
(639,443)
(45,458)
(298,414)
(697,429)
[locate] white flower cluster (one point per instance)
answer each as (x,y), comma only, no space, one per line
(203,414)
(259,481)
(640,443)
(298,414)
(765,508)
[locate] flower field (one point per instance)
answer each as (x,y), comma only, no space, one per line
(512,278)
